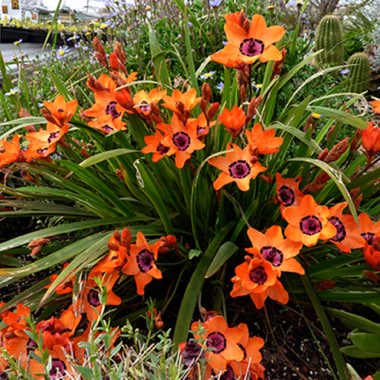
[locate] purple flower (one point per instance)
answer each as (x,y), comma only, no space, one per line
(190,24)
(215,3)
(61,52)
(344,71)
(220,86)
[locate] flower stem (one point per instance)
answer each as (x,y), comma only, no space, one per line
(331,338)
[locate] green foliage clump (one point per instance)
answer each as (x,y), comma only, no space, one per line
(329,37)
(359,72)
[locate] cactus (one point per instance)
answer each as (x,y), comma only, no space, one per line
(359,72)
(329,37)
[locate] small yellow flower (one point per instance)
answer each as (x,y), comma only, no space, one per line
(270,7)
(316,115)
(258,86)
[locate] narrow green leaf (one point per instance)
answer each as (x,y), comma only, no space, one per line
(100,157)
(337,176)
(158,58)
(194,287)
(366,342)
(355,321)
(59,230)
(357,353)
(225,251)
(339,115)
(60,86)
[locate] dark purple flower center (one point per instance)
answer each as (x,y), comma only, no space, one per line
(3,376)
(93,298)
(191,353)
(286,195)
(310,225)
(340,229)
(369,237)
(162,149)
(53,136)
(30,346)
(273,255)
(145,260)
(42,150)
(239,169)
(58,369)
(107,128)
(144,106)
(251,47)
(181,140)
(60,110)
(228,374)
(258,275)
(111,110)
(217,341)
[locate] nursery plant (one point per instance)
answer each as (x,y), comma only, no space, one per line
(193,195)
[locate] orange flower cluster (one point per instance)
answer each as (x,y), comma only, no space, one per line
(56,335)
(138,260)
(308,223)
(242,165)
(229,352)
(43,142)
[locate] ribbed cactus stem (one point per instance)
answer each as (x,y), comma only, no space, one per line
(329,37)
(359,72)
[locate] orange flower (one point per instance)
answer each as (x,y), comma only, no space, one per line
(107,124)
(348,236)
(16,319)
(9,151)
(200,124)
(154,144)
(51,135)
(65,287)
(90,302)
(375,106)
(369,230)
(251,44)
(182,141)
(372,254)
(236,167)
(371,139)
(182,102)
(105,100)
(60,366)
(141,262)
(253,276)
(252,356)
(143,100)
(43,143)
(273,248)
(59,111)
(308,222)
(233,120)
(263,141)
(288,192)
(221,342)
(115,259)
(57,331)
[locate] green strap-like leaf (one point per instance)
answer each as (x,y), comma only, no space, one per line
(194,287)
(106,156)
(224,253)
